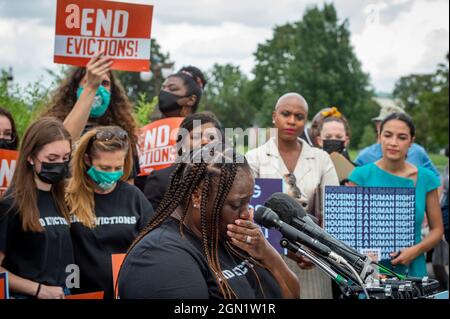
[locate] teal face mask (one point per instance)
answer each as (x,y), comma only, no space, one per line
(105,180)
(101,101)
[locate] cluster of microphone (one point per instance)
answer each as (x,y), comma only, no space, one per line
(354,272)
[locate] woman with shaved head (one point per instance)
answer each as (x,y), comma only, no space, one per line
(305,172)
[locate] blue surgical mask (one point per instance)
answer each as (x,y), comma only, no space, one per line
(101,101)
(104,180)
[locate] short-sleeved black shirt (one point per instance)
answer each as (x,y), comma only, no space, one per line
(38,256)
(120,215)
(166,265)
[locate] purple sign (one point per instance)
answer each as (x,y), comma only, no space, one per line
(264,188)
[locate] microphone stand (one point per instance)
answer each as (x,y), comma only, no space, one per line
(299,251)
(340,280)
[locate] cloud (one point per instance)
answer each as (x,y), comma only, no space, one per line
(392,38)
(204,46)
(26,46)
(415,41)
(255,13)
(40,11)
(436,43)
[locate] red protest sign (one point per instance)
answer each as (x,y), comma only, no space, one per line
(116,261)
(4,289)
(86,296)
(8,160)
(158,144)
(120,30)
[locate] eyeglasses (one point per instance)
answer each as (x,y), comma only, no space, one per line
(291,180)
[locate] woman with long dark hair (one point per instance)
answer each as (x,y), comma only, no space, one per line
(397,134)
(35,243)
(9,139)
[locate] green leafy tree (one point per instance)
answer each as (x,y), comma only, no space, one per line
(25,104)
(409,88)
(226,96)
(315,58)
(132,82)
(426,97)
(143,109)
(369,136)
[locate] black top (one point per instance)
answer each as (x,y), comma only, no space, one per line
(38,256)
(166,265)
(120,215)
(157,184)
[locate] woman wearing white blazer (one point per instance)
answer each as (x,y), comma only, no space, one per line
(304,170)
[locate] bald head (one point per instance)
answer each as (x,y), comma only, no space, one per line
(292,98)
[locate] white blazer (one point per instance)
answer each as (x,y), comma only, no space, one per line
(314,168)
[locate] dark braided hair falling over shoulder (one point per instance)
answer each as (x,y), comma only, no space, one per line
(187,177)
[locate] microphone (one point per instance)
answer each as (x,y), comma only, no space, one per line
(292,213)
(269,219)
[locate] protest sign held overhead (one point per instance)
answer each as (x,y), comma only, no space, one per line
(121,31)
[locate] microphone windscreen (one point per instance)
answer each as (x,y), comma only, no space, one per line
(285,206)
(258,215)
(266,217)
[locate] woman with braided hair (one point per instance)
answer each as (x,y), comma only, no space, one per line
(202,242)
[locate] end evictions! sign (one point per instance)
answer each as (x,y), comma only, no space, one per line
(120,30)
(157,149)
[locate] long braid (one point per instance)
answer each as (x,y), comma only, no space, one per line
(257,263)
(189,183)
(226,289)
(175,195)
(228,178)
(205,230)
(242,256)
(179,188)
(176,186)
(228,172)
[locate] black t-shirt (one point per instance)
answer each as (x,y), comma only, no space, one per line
(157,184)
(120,215)
(165,265)
(38,256)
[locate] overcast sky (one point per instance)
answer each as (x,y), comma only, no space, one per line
(391,38)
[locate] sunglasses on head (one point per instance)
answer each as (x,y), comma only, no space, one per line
(109,134)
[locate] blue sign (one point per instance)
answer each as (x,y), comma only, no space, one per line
(264,188)
(373,220)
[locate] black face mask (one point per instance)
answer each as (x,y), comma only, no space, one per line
(168,102)
(334,146)
(7,144)
(53,173)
